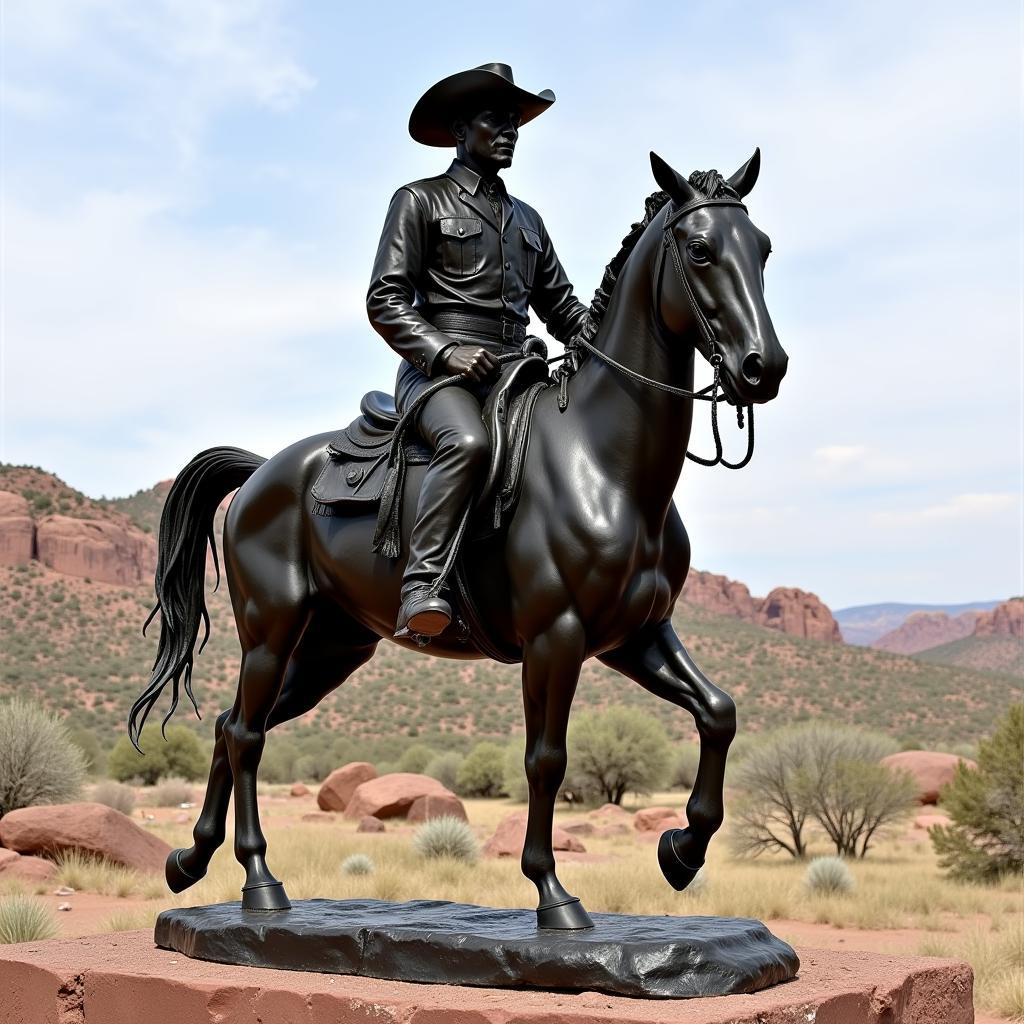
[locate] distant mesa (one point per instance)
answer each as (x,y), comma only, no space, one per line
(927,629)
(787,609)
(1005,620)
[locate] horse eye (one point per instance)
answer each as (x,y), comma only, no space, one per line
(698,252)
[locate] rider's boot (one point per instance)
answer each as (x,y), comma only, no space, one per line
(445,496)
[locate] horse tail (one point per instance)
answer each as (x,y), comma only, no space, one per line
(186,526)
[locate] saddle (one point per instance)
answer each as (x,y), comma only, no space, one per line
(365,465)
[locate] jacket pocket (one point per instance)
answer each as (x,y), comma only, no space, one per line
(531,253)
(460,245)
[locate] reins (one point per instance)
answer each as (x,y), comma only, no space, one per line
(713,355)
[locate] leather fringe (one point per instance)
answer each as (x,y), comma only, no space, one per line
(387,538)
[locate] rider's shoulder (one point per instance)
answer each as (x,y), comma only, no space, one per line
(425,188)
(528,215)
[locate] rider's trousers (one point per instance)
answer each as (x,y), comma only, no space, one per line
(449,421)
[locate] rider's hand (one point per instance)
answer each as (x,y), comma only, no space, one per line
(473,361)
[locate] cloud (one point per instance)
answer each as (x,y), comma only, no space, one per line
(960,509)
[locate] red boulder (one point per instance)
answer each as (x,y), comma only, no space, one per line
(338,787)
(510,836)
(657,819)
(91,828)
(299,789)
(391,796)
(369,824)
(25,869)
(431,806)
(930,769)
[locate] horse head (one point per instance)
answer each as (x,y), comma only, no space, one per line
(711,277)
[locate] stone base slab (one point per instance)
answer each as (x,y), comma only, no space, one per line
(124,978)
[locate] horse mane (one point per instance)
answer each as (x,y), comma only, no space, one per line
(710,184)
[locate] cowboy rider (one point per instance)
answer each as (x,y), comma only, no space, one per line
(458,264)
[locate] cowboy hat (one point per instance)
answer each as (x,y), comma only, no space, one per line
(430,120)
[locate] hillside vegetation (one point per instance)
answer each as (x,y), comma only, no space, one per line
(77,647)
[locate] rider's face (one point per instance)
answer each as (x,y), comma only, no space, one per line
(489,138)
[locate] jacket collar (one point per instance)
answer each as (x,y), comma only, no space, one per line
(469,181)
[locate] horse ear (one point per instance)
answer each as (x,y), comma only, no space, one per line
(672,182)
(743,180)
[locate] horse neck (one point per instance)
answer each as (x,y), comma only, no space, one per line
(637,433)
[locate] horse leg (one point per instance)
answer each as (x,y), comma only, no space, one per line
(551,668)
(330,650)
(658,661)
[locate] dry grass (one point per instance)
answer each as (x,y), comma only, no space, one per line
(92,874)
(898,886)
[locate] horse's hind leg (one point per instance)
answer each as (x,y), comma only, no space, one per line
(331,649)
(658,661)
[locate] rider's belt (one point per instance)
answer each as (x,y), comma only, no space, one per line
(508,332)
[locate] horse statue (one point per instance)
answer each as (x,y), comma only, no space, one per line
(589,564)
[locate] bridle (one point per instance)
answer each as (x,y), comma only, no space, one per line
(710,348)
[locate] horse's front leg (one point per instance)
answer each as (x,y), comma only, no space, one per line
(551,668)
(658,661)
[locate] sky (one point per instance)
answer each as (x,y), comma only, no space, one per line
(193,190)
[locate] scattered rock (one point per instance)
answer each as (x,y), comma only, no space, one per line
(64,890)
(931,770)
(25,869)
(63,906)
(580,828)
(510,835)
(431,806)
(657,819)
(391,796)
(337,789)
(608,813)
(369,824)
(321,817)
(299,789)
(91,828)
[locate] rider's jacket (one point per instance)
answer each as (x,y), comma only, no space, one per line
(442,250)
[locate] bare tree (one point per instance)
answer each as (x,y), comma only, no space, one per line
(771,815)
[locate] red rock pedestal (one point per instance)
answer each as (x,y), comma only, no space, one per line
(123,978)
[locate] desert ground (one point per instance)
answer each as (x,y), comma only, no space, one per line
(901,902)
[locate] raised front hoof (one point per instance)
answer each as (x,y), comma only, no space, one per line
(265,897)
(672,857)
(178,879)
(569,915)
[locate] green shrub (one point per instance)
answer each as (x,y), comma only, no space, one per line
(23,919)
(618,751)
(38,762)
(357,864)
(684,767)
(828,876)
(985,839)
(114,794)
(482,773)
(86,741)
(180,754)
(445,768)
(446,837)
(415,758)
(514,781)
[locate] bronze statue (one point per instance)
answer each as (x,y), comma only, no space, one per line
(459,262)
(585,554)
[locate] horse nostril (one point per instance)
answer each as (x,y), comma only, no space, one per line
(753,367)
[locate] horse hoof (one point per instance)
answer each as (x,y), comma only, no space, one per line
(569,915)
(265,897)
(672,851)
(178,879)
